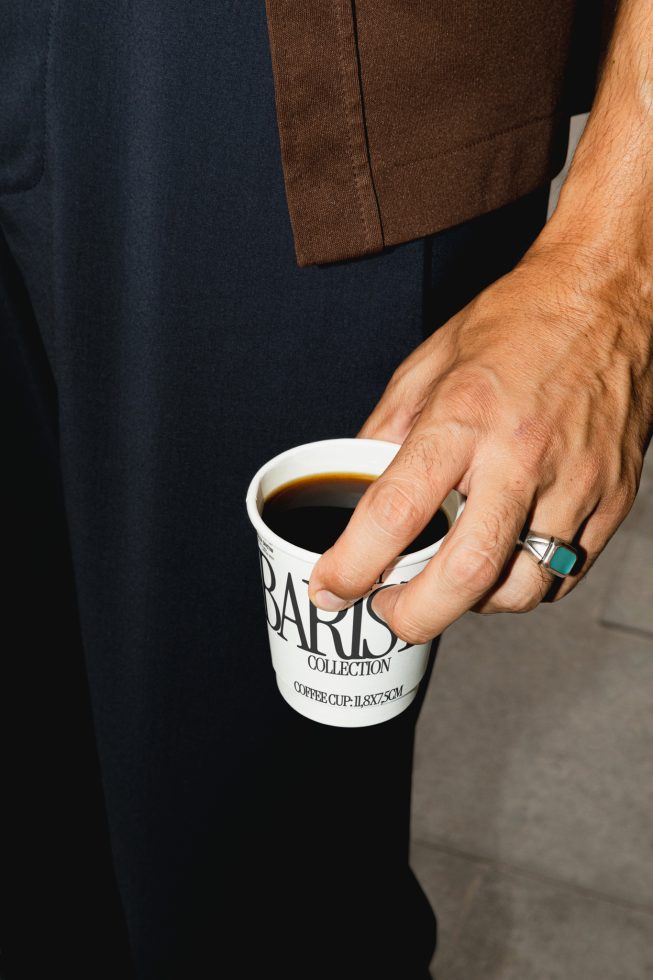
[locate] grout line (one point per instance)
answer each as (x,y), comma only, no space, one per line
(465,908)
(628,630)
(518,871)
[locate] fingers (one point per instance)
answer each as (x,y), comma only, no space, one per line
(593,536)
(469,562)
(523,583)
(390,514)
(574,510)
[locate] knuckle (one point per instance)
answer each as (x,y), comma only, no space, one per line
(406,629)
(344,582)
(533,435)
(395,390)
(619,501)
(535,432)
(471,568)
(405,625)
(534,460)
(397,378)
(518,600)
(342,573)
(397,508)
(406,412)
(471,395)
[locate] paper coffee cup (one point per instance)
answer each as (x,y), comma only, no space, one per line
(347,668)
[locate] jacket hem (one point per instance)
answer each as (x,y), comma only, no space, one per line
(422,197)
(331,198)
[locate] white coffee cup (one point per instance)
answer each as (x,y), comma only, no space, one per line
(348,668)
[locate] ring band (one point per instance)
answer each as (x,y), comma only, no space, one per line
(553,553)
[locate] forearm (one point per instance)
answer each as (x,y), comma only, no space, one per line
(606,203)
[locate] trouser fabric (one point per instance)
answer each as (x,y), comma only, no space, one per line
(164,812)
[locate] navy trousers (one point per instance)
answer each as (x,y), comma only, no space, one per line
(164,813)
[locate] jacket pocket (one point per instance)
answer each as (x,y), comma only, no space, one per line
(25,27)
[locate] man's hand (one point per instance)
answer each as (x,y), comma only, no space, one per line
(536,399)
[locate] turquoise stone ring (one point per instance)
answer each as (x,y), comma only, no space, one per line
(554,553)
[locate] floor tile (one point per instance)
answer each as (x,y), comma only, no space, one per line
(628,599)
(535,745)
(629,604)
(498,925)
(450,883)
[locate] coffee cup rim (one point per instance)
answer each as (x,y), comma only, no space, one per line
(311,557)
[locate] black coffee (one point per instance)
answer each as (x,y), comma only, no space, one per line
(312,512)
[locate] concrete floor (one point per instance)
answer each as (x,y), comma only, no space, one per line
(532,829)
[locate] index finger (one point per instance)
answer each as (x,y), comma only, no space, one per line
(389,515)
(469,562)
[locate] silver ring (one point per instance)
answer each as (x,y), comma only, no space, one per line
(558,556)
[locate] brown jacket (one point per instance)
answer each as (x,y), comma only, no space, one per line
(398,118)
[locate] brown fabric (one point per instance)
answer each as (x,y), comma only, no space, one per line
(399,119)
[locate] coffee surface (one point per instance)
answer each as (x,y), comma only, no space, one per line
(313,512)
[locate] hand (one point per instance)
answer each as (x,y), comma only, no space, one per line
(536,401)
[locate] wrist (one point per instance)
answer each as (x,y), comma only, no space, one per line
(607,214)
(590,289)
(609,259)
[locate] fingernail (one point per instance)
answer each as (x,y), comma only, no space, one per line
(330,602)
